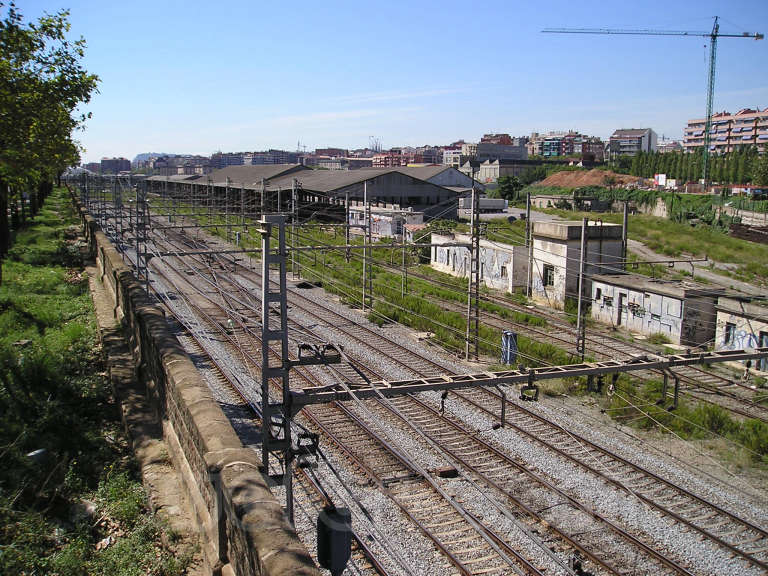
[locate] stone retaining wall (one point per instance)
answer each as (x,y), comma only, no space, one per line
(244,532)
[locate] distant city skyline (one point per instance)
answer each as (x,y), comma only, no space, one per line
(253,76)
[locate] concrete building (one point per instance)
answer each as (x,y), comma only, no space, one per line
(556,254)
(631,141)
(497,139)
(332,152)
(742,323)
(454,158)
(385,222)
(223,159)
(488,151)
(491,170)
(565,144)
(748,127)
(669,146)
(115,165)
(684,311)
(502,266)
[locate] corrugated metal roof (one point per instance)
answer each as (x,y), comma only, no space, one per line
(250,177)
(328,180)
(175,178)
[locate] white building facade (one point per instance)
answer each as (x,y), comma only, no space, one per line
(556,256)
(742,324)
(502,266)
(684,312)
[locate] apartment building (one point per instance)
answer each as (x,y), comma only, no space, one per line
(115,165)
(748,127)
(556,144)
(631,141)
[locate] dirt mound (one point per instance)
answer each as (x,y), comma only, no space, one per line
(577,179)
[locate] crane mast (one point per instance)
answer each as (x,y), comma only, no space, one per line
(713,36)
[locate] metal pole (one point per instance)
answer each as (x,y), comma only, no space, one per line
(294,270)
(404,277)
(473,282)
(226,211)
(528,217)
(346,222)
(263,196)
(624,222)
(579,319)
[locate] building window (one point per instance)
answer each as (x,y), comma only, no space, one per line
(598,293)
(503,271)
(549,275)
(730,332)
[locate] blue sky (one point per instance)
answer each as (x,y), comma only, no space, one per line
(196,77)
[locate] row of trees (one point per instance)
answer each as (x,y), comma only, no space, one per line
(42,86)
(742,166)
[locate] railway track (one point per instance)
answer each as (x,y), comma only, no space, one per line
(743,539)
(696,382)
(424,366)
(468,545)
(595,550)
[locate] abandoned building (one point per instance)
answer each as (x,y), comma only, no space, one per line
(742,323)
(684,311)
(556,255)
(385,222)
(501,266)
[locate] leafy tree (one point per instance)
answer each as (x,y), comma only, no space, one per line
(42,84)
(509,186)
(760,170)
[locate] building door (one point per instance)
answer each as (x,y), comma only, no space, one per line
(621,307)
(763,365)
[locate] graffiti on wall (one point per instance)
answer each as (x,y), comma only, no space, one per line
(741,340)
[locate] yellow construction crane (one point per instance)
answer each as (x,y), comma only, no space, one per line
(713,36)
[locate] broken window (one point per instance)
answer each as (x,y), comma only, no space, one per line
(503,271)
(730,332)
(548,275)
(598,293)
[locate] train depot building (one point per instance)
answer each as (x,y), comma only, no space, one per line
(556,258)
(501,266)
(684,312)
(742,323)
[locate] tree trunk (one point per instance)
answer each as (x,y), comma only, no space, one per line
(3,225)
(4,235)
(15,214)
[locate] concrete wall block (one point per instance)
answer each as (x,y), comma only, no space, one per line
(243,524)
(257,528)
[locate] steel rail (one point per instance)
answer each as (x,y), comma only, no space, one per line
(450,555)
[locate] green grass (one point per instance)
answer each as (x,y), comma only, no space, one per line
(680,240)
(54,396)
(691,420)
(419,308)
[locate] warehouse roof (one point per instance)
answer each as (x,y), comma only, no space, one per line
(332,180)
(175,178)
(251,176)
